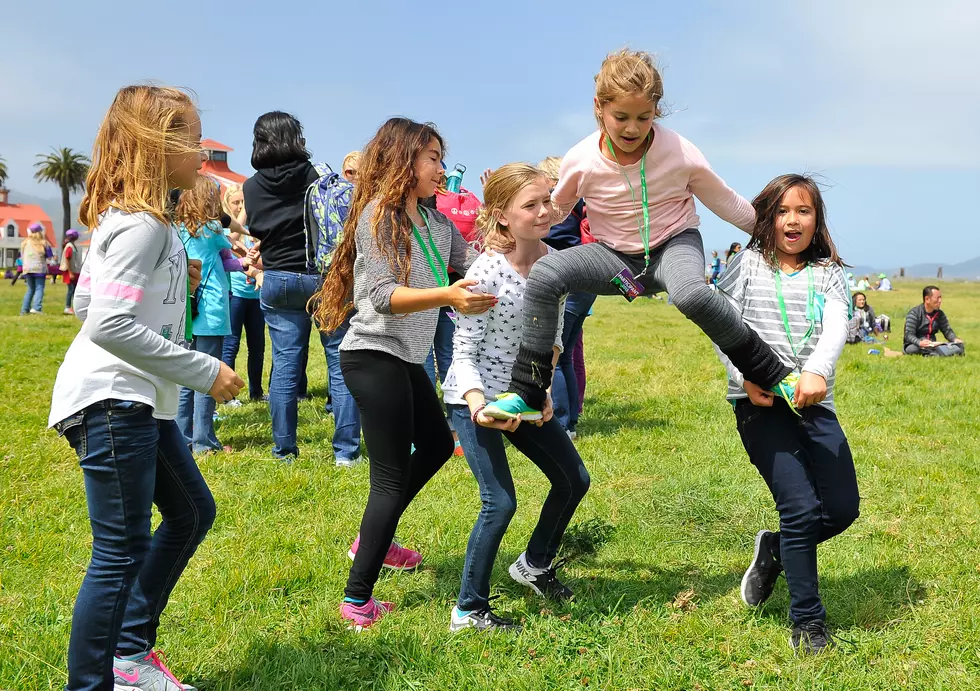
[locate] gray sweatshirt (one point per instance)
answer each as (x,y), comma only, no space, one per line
(373,327)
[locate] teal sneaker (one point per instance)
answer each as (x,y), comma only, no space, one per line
(508,406)
(786,389)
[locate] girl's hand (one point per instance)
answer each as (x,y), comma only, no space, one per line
(492,423)
(194,273)
(246,264)
(466,302)
(759,396)
(485,176)
(226,385)
(547,412)
(810,390)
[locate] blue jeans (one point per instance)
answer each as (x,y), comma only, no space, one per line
(34,294)
(807,464)
(346,418)
(564,390)
(284,298)
(247,313)
(130,461)
(549,448)
(195,413)
(442,347)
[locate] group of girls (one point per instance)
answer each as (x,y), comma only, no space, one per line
(778,322)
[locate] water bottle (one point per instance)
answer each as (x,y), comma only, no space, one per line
(454,181)
(874,351)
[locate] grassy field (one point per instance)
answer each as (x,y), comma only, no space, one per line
(657,548)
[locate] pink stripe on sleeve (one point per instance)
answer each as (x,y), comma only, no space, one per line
(120,291)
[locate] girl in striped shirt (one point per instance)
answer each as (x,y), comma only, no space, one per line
(790,289)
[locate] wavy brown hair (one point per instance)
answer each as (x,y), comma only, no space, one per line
(386,175)
(144,125)
(821,250)
(198,206)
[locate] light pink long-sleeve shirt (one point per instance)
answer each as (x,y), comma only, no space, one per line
(676,172)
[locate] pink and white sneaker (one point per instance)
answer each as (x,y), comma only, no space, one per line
(146,673)
(364,616)
(398,558)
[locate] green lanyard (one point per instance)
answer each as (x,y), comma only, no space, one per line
(438,272)
(644,227)
(810,313)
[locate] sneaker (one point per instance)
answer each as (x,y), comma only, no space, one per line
(508,406)
(786,389)
(761,576)
(458,450)
(234,403)
(347,462)
(398,558)
(542,581)
(147,673)
(33,311)
(69,310)
(482,619)
(364,616)
(811,638)
(572,434)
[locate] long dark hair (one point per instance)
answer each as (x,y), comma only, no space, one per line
(277,140)
(821,250)
(386,174)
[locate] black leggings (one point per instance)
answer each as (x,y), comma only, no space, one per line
(399,407)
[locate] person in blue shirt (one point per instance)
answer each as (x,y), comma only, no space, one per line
(203,237)
(245,310)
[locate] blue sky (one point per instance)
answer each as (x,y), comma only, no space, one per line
(880,98)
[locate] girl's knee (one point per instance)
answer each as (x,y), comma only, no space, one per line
(582,483)
(691,298)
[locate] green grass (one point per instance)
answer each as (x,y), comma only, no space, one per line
(674,506)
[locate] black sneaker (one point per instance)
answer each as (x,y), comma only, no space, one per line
(811,638)
(482,620)
(542,581)
(760,578)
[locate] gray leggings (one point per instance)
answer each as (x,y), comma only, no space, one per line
(677,266)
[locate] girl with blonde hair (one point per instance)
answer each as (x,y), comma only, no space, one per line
(646,227)
(516,217)
(115,397)
(35,251)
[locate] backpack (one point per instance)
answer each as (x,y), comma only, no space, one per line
(74,264)
(326,207)
(461,208)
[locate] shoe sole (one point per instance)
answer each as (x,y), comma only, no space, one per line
(502,415)
(346,464)
(350,555)
(517,576)
(745,576)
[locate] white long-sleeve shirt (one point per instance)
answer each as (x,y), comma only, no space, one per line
(750,286)
(131,298)
(485,345)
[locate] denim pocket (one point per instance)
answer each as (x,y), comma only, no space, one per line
(745,413)
(72,428)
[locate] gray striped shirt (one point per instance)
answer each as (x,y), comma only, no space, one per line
(749,283)
(406,336)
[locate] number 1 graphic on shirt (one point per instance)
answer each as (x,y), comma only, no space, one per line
(177,262)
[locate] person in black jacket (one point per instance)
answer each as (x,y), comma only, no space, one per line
(275,198)
(922,324)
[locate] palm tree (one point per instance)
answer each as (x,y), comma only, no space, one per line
(3,173)
(66,168)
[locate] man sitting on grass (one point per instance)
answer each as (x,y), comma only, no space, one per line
(924,322)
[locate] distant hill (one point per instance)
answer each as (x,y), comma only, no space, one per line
(970,270)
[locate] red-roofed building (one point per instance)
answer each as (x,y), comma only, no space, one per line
(14,221)
(216,166)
